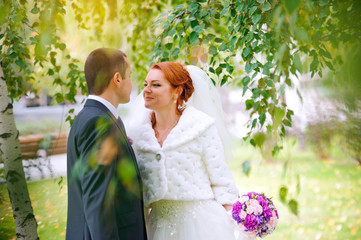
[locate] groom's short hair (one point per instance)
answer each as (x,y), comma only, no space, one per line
(100,67)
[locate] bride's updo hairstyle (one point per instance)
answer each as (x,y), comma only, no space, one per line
(178,77)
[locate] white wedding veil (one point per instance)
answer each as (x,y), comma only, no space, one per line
(205,98)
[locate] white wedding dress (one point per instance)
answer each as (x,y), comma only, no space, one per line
(191,220)
(187,178)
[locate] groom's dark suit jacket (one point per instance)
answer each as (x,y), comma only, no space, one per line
(104,185)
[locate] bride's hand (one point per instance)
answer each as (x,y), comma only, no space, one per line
(227,207)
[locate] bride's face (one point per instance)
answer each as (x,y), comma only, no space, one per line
(158,92)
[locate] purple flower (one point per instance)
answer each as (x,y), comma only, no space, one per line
(262,202)
(267,213)
(251,222)
(236,208)
(252,194)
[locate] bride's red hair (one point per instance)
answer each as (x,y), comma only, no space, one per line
(178,77)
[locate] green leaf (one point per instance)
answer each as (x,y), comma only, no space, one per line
(262,118)
(245,80)
(276,150)
(224,80)
(252,142)
(283,193)
(259,138)
(325,53)
(230,69)
(314,65)
(59,98)
(302,35)
(288,82)
(62,46)
(248,67)
(256,18)
(329,65)
(193,7)
(287,123)
(20,63)
(279,113)
(252,10)
(291,5)
(297,63)
(269,83)
(209,37)
(175,52)
(194,38)
(249,104)
(13,55)
(254,122)
(223,47)
(246,51)
(260,1)
(293,205)
(34,10)
(224,11)
(246,167)
(199,28)
(266,6)
(168,46)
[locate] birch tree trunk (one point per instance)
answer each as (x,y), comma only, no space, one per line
(25,222)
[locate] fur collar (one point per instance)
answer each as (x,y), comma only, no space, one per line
(192,123)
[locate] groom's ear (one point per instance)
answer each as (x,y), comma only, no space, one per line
(117,79)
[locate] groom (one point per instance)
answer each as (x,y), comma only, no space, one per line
(104,186)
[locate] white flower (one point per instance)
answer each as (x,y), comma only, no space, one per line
(244,199)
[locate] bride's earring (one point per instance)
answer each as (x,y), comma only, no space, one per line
(175,101)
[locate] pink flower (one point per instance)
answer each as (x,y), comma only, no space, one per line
(130,140)
(273,222)
(258,209)
(242,214)
(252,233)
(250,209)
(254,207)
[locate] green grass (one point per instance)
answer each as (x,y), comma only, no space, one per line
(329,198)
(43,126)
(49,201)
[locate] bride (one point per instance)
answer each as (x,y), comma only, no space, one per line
(179,140)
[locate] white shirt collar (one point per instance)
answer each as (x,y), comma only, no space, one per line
(110,106)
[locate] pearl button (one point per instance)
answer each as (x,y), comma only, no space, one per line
(158,157)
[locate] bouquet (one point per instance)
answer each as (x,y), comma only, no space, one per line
(255,214)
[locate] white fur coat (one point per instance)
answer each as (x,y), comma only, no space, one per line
(189,166)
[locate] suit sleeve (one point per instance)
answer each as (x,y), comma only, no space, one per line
(95,177)
(222,182)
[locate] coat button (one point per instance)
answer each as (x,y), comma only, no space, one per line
(158,157)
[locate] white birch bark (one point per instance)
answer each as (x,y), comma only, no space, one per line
(25,222)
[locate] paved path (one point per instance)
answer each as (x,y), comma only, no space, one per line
(58,166)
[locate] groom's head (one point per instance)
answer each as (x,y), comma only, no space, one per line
(101,66)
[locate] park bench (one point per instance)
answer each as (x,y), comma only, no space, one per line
(30,147)
(58,144)
(36,150)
